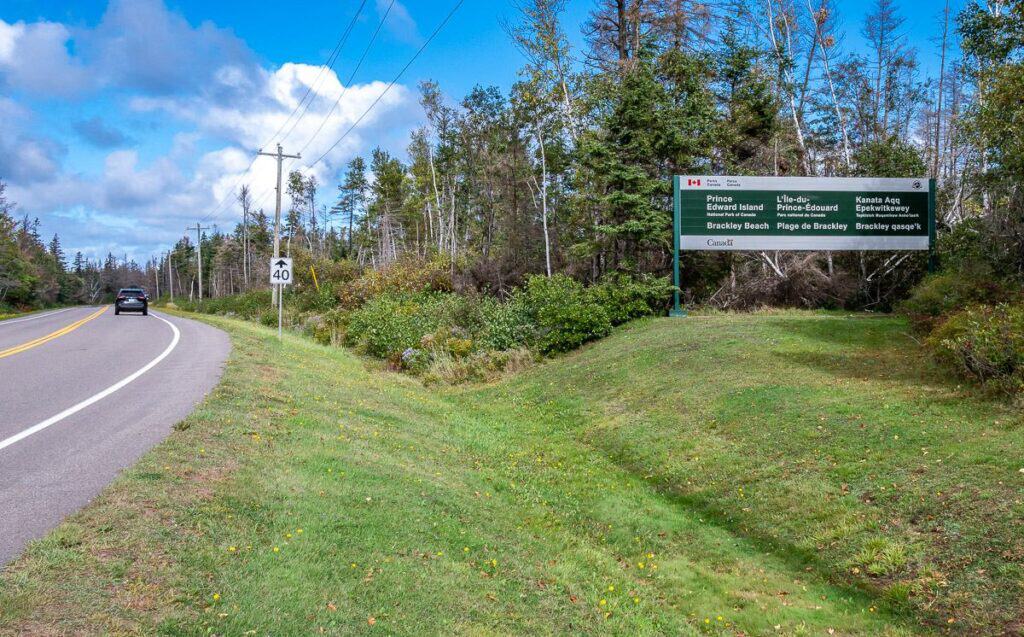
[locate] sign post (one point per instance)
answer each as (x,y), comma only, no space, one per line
(931,226)
(725,213)
(677,216)
(280,275)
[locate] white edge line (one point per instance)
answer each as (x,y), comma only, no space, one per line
(97,397)
(39,316)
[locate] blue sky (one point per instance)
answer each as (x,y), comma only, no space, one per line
(121,121)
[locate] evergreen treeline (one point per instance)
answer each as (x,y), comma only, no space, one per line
(34,273)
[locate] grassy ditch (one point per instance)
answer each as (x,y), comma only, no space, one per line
(783,474)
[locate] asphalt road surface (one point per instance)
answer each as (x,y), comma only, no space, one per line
(83,394)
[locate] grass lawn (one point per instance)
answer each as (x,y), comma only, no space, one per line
(776,474)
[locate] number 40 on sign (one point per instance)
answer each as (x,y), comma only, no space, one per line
(281,271)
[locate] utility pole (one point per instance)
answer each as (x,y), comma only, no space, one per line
(245,246)
(243,198)
(199,255)
(277,211)
(170,276)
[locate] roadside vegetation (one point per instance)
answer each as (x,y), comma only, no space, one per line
(677,477)
(410,316)
(568,175)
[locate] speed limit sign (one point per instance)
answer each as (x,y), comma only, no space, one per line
(280,271)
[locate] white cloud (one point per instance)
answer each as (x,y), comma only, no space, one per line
(138,44)
(319,121)
(160,199)
(25,157)
(9,34)
(201,83)
(34,58)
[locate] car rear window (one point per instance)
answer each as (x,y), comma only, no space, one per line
(131,291)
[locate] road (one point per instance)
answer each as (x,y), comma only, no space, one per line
(83,394)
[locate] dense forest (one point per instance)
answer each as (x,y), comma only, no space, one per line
(570,171)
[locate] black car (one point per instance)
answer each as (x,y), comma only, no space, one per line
(132,300)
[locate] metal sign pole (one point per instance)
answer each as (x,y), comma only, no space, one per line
(932,265)
(280,276)
(677,222)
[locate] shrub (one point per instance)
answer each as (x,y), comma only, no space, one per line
(330,276)
(311,300)
(481,366)
(329,273)
(268,319)
(409,276)
(940,294)
(986,344)
(505,325)
(416,360)
(452,340)
(329,327)
(248,305)
(390,324)
(625,297)
(565,314)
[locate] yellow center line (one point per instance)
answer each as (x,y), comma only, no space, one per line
(17,349)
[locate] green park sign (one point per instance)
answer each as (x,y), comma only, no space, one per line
(801,213)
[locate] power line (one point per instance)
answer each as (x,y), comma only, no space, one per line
(331,61)
(392,84)
(344,91)
(348,83)
(316,82)
(387,89)
(351,77)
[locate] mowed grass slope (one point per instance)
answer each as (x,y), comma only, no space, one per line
(760,475)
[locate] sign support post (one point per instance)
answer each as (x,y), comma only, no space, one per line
(280,276)
(932,265)
(280,310)
(677,217)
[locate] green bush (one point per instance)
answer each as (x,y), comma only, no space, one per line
(248,305)
(312,300)
(625,297)
(407,315)
(941,294)
(268,319)
(390,324)
(329,327)
(319,296)
(984,343)
(410,275)
(969,247)
(565,314)
(505,325)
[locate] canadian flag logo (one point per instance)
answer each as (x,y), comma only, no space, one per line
(693,182)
